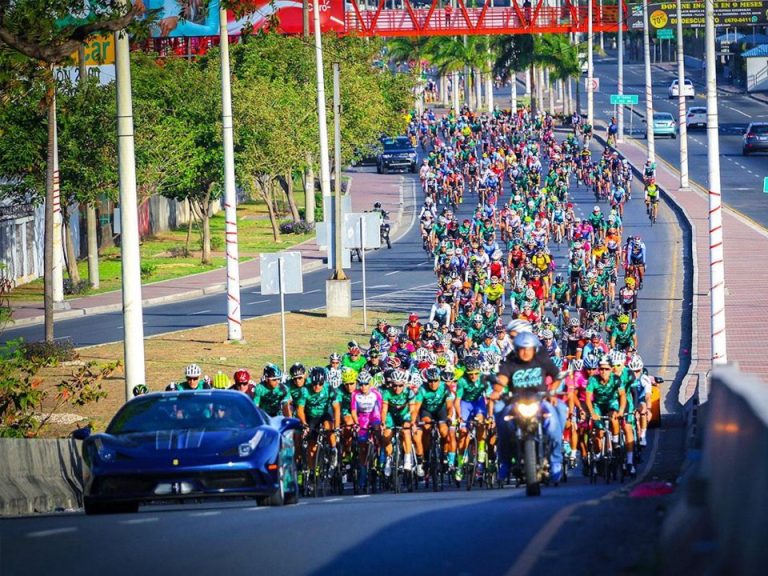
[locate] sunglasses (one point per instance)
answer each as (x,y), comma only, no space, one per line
(398,385)
(473,373)
(605,369)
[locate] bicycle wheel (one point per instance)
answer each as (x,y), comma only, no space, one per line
(470,462)
(396,488)
(434,463)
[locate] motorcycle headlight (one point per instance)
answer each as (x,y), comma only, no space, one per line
(528,409)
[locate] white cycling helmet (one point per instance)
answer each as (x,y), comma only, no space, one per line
(636,363)
(192,371)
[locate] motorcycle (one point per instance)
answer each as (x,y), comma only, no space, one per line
(532,447)
(384,228)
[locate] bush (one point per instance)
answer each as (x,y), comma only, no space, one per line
(49,352)
(147,269)
(179,252)
(300,227)
(217,242)
(80,287)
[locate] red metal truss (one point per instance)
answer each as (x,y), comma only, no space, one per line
(436,20)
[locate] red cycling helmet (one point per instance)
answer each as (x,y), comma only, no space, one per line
(413,317)
(242,376)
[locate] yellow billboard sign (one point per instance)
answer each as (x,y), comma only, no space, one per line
(100,50)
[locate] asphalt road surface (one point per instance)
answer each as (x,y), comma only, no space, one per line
(453,532)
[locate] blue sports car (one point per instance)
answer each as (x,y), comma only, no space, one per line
(189,445)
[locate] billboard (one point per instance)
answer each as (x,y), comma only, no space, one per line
(733,13)
(189,18)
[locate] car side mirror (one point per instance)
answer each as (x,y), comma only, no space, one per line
(287,424)
(658,379)
(81,433)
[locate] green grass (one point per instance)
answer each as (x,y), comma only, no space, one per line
(161,254)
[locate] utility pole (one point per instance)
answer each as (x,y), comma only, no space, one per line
(309,173)
(234,323)
(620,58)
(716,251)
(58,248)
(590,68)
(133,324)
(648,86)
(682,125)
(338,288)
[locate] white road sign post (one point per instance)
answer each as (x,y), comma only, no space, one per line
(361,231)
(281,274)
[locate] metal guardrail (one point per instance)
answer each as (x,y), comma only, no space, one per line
(735,470)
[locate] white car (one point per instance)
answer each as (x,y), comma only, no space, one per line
(674,88)
(697,116)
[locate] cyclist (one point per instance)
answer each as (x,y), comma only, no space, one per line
(624,336)
(396,412)
(365,408)
(628,298)
(642,389)
(191,381)
(334,370)
(243,383)
(318,408)
(470,404)
(433,405)
(271,395)
(353,358)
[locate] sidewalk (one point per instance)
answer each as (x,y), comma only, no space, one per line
(745,247)
(366,187)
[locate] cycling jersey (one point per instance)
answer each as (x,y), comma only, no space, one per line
(271,400)
(398,406)
(605,396)
(469,391)
(434,400)
(317,404)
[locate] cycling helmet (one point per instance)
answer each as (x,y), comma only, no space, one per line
(630,282)
(559,279)
(193,371)
(577,364)
(441,362)
(140,389)
(488,335)
(318,375)
(373,353)
(618,358)
(492,358)
(298,370)
(394,361)
(242,376)
(364,378)
(489,307)
(422,354)
(573,322)
(596,209)
(448,373)
(623,319)
(403,339)
(590,362)
(429,327)
(519,326)
(547,335)
(377,205)
(526,340)
(391,331)
(348,375)
(400,376)
(477,318)
(335,357)
(636,363)
(471,363)
(430,374)
(272,371)
(413,317)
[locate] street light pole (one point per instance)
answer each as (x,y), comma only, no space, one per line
(234,324)
(716,251)
(130,257)
(620,57)
(325,168)
(648,86)
(682,125)
(590,68)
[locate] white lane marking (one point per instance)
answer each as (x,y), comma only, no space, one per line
(362,496)
(329,500)
(312,291)
(390,273)
(256,302)
(381,286)
(357,282)
(52,532)
(739,111)
(254,509)
(423,264)
(200,312)
(203,514)
(140,520)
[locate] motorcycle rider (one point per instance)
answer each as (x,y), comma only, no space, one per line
(525,369)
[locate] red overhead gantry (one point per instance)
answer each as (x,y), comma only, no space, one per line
(518,18)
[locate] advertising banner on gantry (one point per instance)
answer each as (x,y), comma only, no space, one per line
(727,13)
(188,18)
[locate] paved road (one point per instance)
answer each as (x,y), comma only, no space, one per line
(421,533)
(741,177)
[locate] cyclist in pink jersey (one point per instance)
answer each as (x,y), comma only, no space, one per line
(366,414)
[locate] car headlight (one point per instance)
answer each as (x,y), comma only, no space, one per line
(246,449)
(528,409)
(411,154)
(104,452)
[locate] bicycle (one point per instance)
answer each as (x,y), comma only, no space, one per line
(399,476)
(471,464)
(327,476)
(369,469)
(433,458)
(600,460)
(653,212)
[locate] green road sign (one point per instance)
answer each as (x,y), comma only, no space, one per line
(765,185)
(665,34)
(624,99)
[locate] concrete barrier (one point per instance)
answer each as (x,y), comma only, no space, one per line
(39,476)
(736,472)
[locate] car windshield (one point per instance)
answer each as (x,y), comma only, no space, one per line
(396,143)
(759,129)
(184,411)
(663,117)
(698,110)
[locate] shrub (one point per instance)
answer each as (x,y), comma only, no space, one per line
(147,269)
(80,287)
(49,353)
(300,227)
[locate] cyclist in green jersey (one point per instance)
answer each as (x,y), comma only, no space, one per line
(434,404)
(317,408)
(271,395)
(470,404)
(396,412)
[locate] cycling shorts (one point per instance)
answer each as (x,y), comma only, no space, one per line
(471,409)
(316,422)
(364,422)
(439,416)
(398,418)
